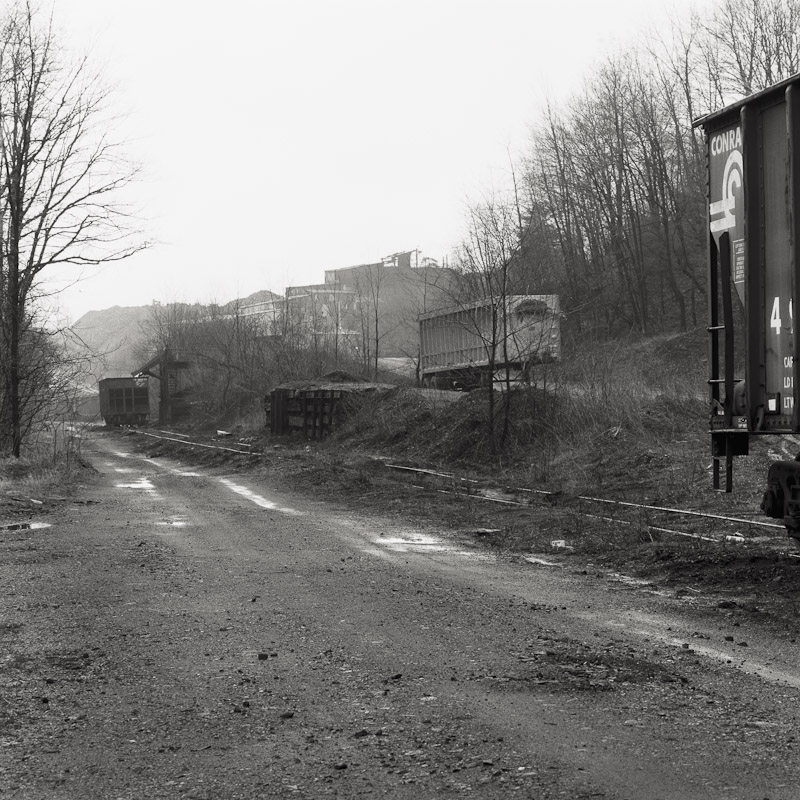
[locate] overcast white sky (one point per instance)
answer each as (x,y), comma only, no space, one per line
(280,138)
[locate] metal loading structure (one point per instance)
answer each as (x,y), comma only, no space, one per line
(753,191)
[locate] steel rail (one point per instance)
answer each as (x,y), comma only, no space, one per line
(655,528)
(685,512)
(648,527)
(428,472)
(588,498)
(175,433)
(199,444)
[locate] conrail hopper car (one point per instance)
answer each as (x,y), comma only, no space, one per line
(461,346)
(124,401)
(753,175)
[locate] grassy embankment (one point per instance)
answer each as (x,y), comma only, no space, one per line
(50,467)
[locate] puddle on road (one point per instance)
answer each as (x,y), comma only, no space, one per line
(413,542)
(637,583)
(403,542)
(418,542)
(260,501)
(143,484)
(179,521)
(181,472)
(542,562)
(25,526)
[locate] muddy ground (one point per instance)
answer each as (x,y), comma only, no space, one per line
(722,560)
(307,621)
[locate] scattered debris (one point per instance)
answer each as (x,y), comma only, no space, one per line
(25,526)
(560,544)
(25,500)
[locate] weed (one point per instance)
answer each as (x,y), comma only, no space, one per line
(51,461)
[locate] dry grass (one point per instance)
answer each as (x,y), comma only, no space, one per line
(22,477)
(49,465)
(617,432)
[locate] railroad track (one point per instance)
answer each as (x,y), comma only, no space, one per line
(182,438)
(648,518)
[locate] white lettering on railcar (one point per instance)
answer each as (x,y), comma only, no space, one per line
(726,141)
(723,211)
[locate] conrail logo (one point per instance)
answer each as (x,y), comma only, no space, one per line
(723,211)
(726,141)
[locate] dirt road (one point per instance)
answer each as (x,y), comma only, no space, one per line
(183,632)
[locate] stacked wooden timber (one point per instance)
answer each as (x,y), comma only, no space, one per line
(316,407)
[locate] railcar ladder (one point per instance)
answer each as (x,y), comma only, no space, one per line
(726,442)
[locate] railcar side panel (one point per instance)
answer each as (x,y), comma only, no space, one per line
(124,401)
(458,344)
(776,322)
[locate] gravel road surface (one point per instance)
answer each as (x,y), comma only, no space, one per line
(184,631)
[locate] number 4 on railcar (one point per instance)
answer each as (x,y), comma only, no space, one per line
(753,174)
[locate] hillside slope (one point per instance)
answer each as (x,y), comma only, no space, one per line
(109,340)
(112,340)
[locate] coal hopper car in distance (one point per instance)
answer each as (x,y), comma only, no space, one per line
(456,342)
(124,401)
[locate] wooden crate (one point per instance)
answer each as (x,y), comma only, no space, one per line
(312,411)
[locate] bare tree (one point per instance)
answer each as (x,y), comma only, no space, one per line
(486,257)
(47,379)
(60,177)
(368,283)
(750,45)
(616,195)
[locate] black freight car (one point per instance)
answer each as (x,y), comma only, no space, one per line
(753,174)
(124,401)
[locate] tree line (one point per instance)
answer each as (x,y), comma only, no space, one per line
(606,208)
(611,192)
